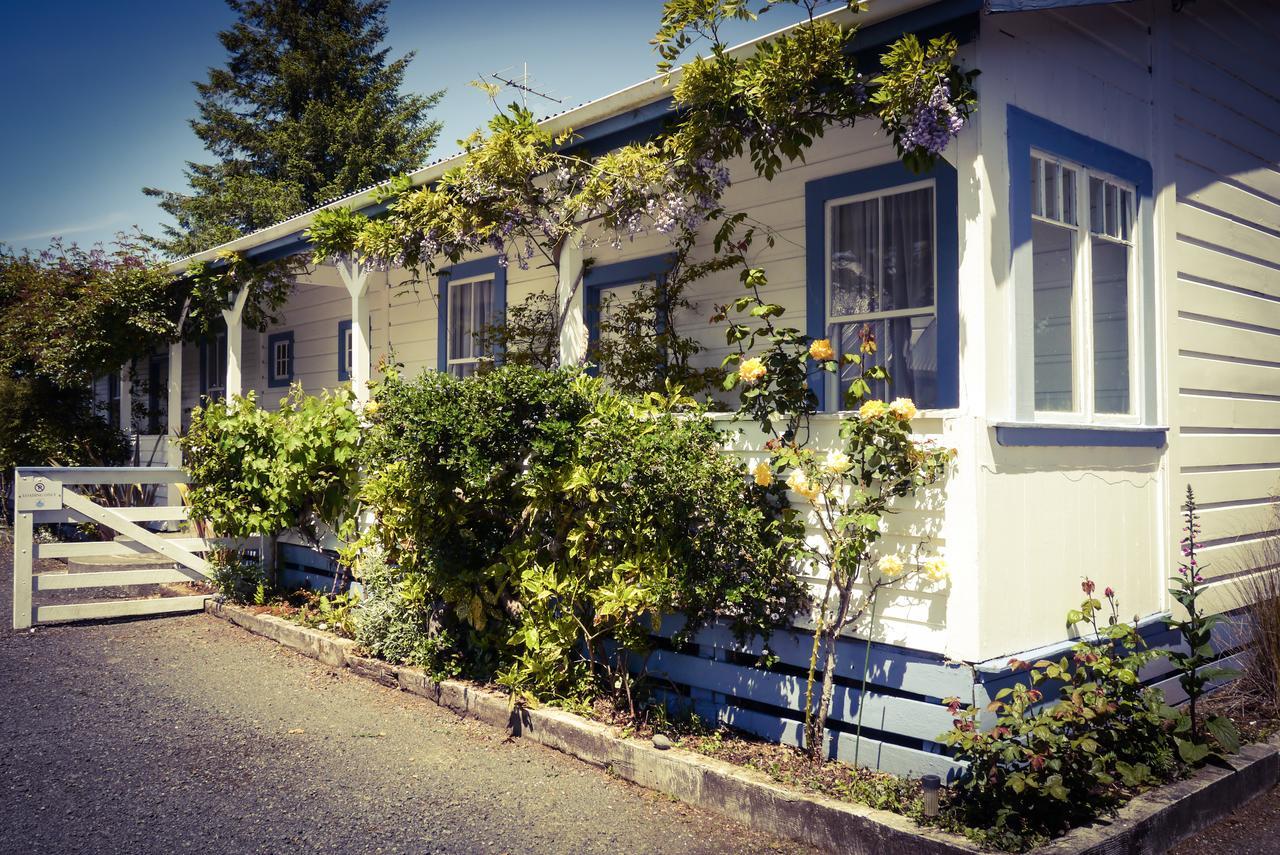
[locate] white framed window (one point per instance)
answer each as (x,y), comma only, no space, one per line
(346,350)
(215,365)
(280,358)
(882,284)
(1084,295)
(470,308)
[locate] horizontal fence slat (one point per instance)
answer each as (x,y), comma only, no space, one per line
(871,753)
(917,672)
(85,475)
(109,579)
(1173,693)
(119,608)
(904,716)
(118,548)
(137,514)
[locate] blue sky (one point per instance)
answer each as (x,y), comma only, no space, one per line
(98,94)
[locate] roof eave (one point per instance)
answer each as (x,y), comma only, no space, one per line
(286,237)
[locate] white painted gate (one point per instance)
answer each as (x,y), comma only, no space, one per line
(63,495)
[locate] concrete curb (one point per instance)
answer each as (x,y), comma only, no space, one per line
(1151,823)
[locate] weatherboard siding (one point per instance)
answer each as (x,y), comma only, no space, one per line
(1225,289)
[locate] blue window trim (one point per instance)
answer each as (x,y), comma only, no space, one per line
(343,328)
(819,192)
(1027,435)
(467,270)
(275,381)
(1027,131)
(601,277)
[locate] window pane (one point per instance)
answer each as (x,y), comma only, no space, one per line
(1069,196)
(1096,223)
(1126,214)
(1110,327)
(906,347)
(1037,186)
(855,265)
(908,250)
(1113,219)
(483,306)
(612,305)
(1051,182)
(459,310)
(1053,274)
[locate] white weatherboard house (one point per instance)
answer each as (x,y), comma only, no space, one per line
(1084,298)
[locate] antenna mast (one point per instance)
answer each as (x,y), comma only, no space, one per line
(522,85)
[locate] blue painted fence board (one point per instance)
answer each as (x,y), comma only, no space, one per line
(903,716)
(912,671)
(871,752)
(1173,693)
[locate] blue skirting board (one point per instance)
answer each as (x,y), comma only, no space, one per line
(904,715)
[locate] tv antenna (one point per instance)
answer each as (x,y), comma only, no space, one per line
(523,85)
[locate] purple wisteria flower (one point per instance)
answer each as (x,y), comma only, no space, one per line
(934,123)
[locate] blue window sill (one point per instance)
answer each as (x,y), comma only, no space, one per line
(1107,436)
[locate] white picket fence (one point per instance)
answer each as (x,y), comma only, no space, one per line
(93,495)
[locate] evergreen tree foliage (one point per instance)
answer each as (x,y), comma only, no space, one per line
(307,108)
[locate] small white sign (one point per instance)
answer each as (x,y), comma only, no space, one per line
(37,494)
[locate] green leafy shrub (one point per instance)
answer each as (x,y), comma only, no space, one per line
(43,424)
(237,578)
(328,611)
(397,620)
(540,519)
(1044,768)
(254,471)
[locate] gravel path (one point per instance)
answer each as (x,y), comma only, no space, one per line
(186,734)
(1252,830)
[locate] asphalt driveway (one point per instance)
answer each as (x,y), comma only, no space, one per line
(186,734)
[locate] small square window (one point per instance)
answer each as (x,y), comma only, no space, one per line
(280,359)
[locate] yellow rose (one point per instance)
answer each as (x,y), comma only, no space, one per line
(371,408)
(798,482)
(873,409)
(903,408)
(890,566)
(935,570)
(751,371)
(821,350)
(763,474)
(837,463)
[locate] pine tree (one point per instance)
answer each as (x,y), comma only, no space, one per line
(306,109)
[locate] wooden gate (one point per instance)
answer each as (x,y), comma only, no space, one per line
(83,495)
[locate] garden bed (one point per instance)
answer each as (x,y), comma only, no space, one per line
(763,790)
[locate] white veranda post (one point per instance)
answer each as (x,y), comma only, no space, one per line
(174,404)
(233,317)
(569,293)
(126,400)
(356,277)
